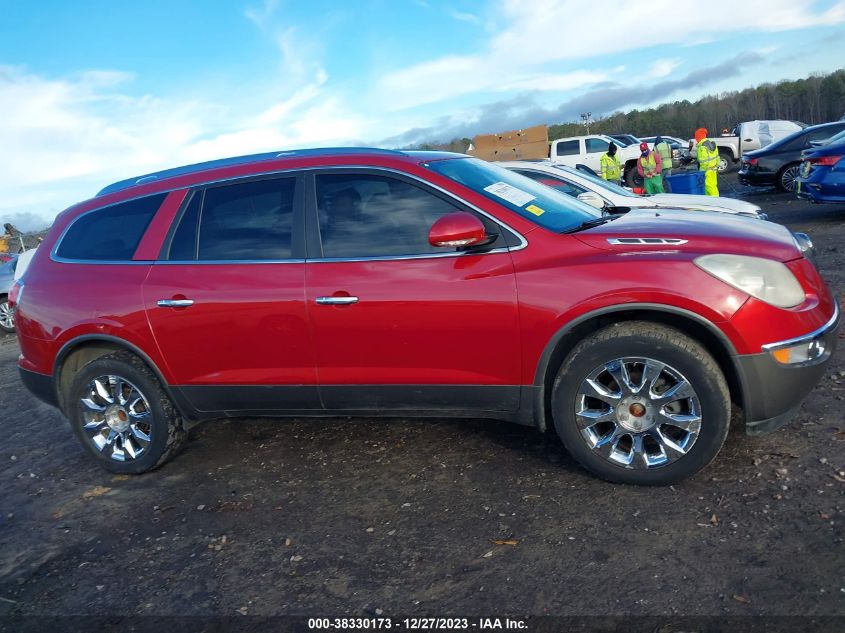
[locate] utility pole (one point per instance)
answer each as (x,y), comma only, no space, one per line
(585,117)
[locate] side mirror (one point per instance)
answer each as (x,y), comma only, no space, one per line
(593,199)
(457,229)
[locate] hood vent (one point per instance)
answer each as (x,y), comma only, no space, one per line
(660,241)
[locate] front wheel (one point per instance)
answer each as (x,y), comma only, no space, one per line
(122,415)
(633,178)
(7,317)
(641,403)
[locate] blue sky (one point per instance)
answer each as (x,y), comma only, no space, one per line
(92,92)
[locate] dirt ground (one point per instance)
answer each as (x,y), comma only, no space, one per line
(401,517)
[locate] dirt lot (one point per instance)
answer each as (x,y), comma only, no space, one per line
(364,517)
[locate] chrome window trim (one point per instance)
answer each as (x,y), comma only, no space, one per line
(771,347)
(104,262)
(382,258)
(280,172)
(223,262)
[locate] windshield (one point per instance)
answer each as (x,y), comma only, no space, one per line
(540,204)
(601,182)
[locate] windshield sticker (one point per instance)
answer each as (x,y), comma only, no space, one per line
(509,193)
(533,208)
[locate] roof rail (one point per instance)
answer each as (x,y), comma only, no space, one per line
(240,160)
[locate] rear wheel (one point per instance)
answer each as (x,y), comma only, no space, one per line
(787,176)
(641,403)
(7,317)
(122,416)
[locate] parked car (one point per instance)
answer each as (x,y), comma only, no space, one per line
(7,278)
(602,194)
(836,138)
(749,136)
(821,177)
(588,150)
(778,163)
(624,140)
(377,282)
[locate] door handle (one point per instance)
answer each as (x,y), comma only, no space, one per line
(336,301)
(175,303)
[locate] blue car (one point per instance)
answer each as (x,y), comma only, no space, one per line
(821,177)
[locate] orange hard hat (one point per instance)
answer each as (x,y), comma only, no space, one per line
(700,133)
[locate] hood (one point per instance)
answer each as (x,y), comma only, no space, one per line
(643,230)
(692,201)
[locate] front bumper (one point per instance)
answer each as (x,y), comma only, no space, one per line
(773,392)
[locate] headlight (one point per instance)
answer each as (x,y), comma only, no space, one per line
(764,279)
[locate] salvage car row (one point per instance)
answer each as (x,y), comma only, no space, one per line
(378,282)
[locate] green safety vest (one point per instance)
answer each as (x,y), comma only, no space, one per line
(707,159)
(665,152)
(648,163)
(611,168)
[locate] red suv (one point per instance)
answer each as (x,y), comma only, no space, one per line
(376,282)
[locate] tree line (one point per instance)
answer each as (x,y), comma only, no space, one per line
(814,99)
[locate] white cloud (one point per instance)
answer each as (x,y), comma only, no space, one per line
(453,76)
(64,139)
(462,16)
(535,36)
(663,67)
(261,15)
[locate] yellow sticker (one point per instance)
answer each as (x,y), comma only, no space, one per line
(533,208)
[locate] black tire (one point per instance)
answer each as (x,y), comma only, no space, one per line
(726,163)
(633,178)
(165,429)
(4,310)
(787,176)
(665,345)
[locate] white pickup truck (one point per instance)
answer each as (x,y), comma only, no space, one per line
(749,136)
(588,150)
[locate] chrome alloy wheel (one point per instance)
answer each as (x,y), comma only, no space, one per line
(7,316)
(787,178)
(638,413)
(116,415)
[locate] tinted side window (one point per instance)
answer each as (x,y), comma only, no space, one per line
(823,134)
(364,215)
(596,145)
(247,221)
(112,233)
(568,148)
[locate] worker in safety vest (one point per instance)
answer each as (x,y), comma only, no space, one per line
(708,161)
(650,167)
(665,150)
(611,168)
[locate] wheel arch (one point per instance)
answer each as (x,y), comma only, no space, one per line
(79,351)
(565,339)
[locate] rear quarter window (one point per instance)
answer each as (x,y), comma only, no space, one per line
(111,233)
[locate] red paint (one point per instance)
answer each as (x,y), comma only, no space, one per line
(475,319)
(459,228)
